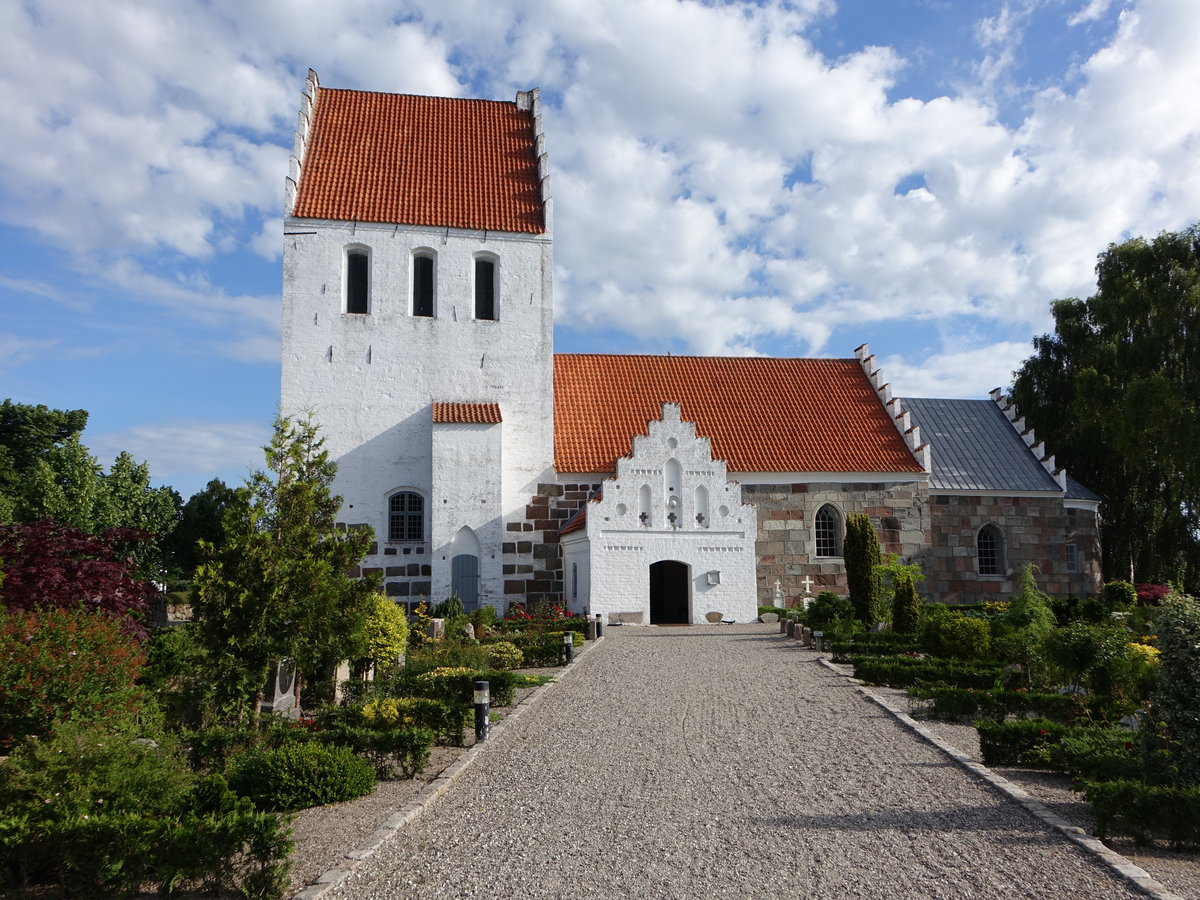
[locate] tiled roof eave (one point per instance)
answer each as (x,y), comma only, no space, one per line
(498,234)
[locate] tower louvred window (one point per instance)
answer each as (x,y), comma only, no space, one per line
(357,282)
(423,286)
(485,289)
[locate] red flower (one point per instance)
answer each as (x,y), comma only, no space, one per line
(1043,732)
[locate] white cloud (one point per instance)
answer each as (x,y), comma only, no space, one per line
(718,180)
(964,373)
(15,350)
(1093,10)
(187,449)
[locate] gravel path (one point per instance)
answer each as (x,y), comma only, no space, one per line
(719,762)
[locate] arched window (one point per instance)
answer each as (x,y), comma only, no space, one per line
(989,550)
(424,284)
(406,517)
(829,531)
(358,281)
(485,288)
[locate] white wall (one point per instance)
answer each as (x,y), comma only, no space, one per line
(622,548)
(370,380)
(467,461)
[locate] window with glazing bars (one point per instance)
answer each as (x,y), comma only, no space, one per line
(990,551)
(406,517)
(829,532)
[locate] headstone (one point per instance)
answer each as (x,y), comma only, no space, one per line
(625,618)
(279,693)
(341,674)
(713,617)
(769,618)
(808,583)
(436,630)
(778,593)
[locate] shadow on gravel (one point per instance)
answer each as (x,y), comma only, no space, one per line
(973,819)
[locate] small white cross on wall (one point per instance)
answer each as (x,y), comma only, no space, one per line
(808,583)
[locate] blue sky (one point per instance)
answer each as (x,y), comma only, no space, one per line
(741,178)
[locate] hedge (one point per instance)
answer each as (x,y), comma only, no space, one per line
(953,703)
(1141,811)
(845,651)
(1018,743)
(904,672)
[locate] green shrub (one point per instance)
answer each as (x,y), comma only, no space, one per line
(98,812)
(845,651)
(906,606)
(504,655)
(385,633)
(446,655)
(864,581)
(898,671)
(1127,808)
(1017,743)
(445,720)
(956,637)
(1178,697)
(832,615)
(456,686)
(1096,657)
(60,664)
(1029,608)
(953,703)
(777,610)
(388,748)
(1118,596)
(300,775)
(1096,754)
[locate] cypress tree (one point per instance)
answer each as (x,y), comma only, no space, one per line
(906,607)
(861,553)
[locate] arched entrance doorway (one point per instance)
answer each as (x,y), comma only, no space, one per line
(670,593)
(464,568)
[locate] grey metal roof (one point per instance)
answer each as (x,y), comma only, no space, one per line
(974,447)
(1077,491)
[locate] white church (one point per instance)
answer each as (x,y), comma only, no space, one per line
(418,330)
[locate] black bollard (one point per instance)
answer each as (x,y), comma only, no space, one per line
(599,627)
(482,715)
(569,646)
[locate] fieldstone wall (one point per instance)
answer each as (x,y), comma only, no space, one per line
(1035,529)
(786,544)
(532,558)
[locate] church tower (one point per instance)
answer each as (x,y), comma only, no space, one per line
(418,323)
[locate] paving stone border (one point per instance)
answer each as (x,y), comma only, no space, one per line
(1135,875)
(329,879)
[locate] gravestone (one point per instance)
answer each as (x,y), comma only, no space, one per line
(279,693)
(436,630)
(769,618)
(713,617)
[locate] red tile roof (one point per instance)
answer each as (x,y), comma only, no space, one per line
(762,415)
(467,413)
(411,160)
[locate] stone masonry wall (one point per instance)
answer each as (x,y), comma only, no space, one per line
(786,541)
(532,558)
(1036,530)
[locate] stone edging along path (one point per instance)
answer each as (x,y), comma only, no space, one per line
(435,789)
(1135,875)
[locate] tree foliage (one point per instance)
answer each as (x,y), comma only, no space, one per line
(199,520)
(1115,391)
(52,565)
(280,585)
(47,474)
(862,555)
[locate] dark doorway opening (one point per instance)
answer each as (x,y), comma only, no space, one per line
(669,593)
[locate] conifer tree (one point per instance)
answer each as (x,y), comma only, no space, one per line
(861,553)
(280,586)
